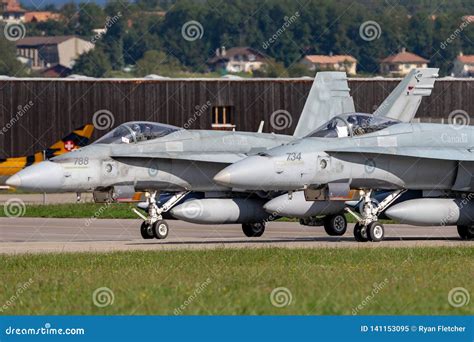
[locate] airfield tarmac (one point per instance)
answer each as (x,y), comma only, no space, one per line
(40,235)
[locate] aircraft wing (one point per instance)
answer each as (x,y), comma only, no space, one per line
(403,102)
(441,153)
(216,157)
(329,96)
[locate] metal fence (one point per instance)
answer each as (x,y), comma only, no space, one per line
(59,106)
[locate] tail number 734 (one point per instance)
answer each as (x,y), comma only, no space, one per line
(293,156)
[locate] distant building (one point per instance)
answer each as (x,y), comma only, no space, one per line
(401,63)
(11,11)
(463,66)
(345,63)
(47,53)
(236,59)
(37,17)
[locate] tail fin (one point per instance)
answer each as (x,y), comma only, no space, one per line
(403,102)
(78,138)
(329,96)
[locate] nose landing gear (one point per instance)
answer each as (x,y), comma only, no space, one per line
(367,227)
(153,225)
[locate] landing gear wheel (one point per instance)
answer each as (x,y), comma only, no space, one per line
(253,229)
(375,232)
(146,231)
(360,233)
(335,225)
(466,232)
(160,229)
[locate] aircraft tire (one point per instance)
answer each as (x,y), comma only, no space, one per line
(335,225)
(375,232)
(253,229)
(359,235)
(466,232)
(160,229)
(146,232)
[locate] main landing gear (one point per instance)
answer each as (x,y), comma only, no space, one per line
(253,229)
(367,227)
(334,225)
(153,225)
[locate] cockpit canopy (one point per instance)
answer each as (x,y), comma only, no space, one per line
(353,124)
(136,131)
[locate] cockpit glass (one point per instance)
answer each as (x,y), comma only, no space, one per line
(132,132)
(354,124)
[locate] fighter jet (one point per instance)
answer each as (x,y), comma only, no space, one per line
(384,151)
(153,157)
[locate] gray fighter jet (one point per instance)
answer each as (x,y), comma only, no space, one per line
(152,157)
(371,152)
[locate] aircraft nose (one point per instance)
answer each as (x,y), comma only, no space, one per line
(42,177)
(249,173)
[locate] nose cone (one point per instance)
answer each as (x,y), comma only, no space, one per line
(42,177)
(252,173)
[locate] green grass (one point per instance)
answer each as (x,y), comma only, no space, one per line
(79,210)
(102,211)
(321,281)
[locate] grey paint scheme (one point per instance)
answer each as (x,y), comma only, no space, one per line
(329,96)
(221,210)
(433,211)
(296,205)
(182,160)
(386,159)
(148,165)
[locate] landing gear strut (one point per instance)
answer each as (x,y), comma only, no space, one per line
(153,225)
(367,227)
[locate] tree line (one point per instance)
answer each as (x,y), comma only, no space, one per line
(148,38)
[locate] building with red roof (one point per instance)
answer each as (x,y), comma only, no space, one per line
(401,63)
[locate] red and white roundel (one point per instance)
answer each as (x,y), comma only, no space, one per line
(69,145)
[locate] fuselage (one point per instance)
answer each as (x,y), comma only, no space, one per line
(385,164)
(149,165)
